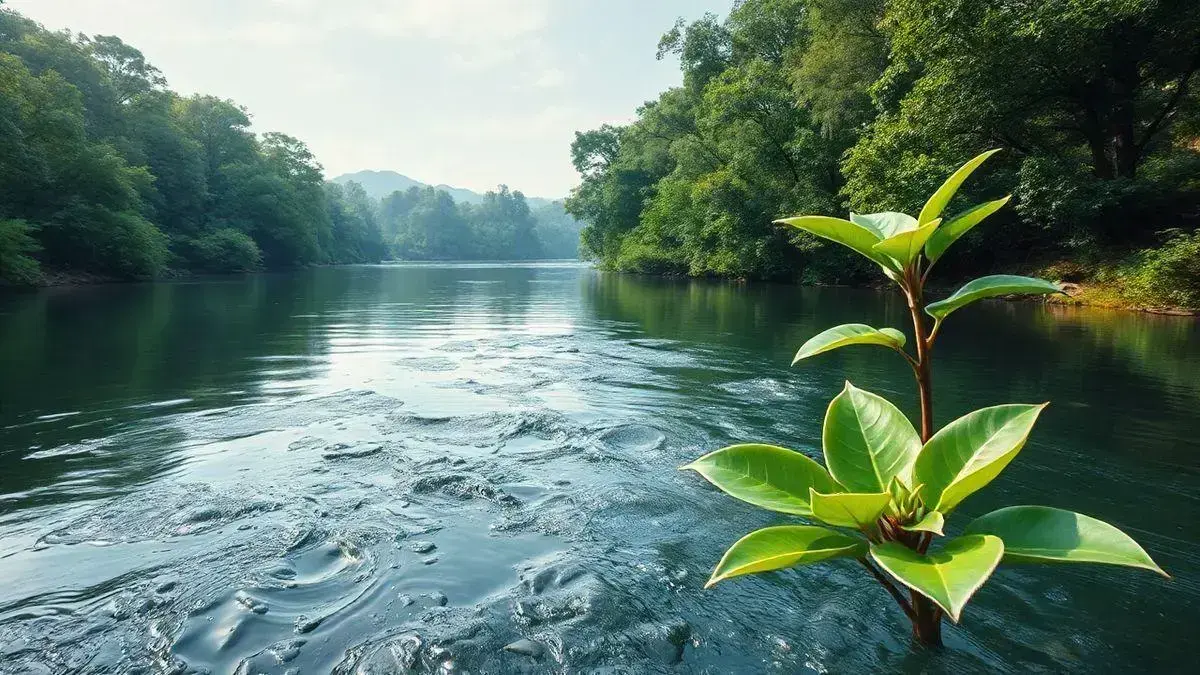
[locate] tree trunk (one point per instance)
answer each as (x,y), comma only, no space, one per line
(1125,147)
(927,626)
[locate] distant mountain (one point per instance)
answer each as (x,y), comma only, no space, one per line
(380,184)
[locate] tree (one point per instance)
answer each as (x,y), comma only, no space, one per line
(839,105)
(127,69)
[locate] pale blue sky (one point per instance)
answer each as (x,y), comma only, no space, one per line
(466,92)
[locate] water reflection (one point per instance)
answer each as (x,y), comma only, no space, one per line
(394,466)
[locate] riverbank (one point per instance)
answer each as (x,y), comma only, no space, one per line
(1110,296)
(68,278)
(1107,295)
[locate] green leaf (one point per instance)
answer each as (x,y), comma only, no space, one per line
(849,509)
(951,230)
(968,453)
(939,200)
(906,246)
(867,441)
(768,476)
(948,577)
(1043,534)
(849,334)
(844,232)
(774,548)
(990,287)
(886,224)
(932,522)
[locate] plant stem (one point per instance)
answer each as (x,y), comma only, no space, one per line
(916,307)
(927,621)
(926,617)
(891,588)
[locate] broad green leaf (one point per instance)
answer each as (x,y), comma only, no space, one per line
(867,441)
(939,200)
(774,548)
(886,224)
(844,232)
(1043,534)
(767,476)
(948,577)
(990,287)
(849,334)
(932,522)
(906,246)
(951,230)
(968,453)
(849,509)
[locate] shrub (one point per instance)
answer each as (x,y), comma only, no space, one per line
(224,250)
(1168,276)
(17,266)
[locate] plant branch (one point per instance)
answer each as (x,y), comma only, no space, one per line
(937,326)
(891,588)
(908,357)
(1168,110)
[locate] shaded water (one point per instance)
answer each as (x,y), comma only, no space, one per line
(366,469)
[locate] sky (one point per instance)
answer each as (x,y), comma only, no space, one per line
(471,93)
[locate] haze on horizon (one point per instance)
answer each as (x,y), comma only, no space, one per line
(470,93)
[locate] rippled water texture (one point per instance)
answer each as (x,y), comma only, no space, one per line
(381,468)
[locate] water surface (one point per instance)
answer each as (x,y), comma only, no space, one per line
(369,469)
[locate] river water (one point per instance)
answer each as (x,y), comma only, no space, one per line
(370,469)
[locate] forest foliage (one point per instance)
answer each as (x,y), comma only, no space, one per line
(425,223)
(106,172)
(790,107)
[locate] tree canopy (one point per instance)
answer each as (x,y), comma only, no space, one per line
(824,106)
(103,170)
(425,223)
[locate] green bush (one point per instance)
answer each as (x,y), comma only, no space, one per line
(17,267)
(647,258)
(224,250)
(1168,276)
(100,240)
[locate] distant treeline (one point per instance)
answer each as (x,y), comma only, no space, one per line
(106,172)
(427,224)
(825,106)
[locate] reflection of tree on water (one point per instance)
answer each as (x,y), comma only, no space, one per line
(95,351)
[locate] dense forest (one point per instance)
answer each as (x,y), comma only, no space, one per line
(824,106)
(427,224)
(105,172)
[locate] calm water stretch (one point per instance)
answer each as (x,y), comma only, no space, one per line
(366,469)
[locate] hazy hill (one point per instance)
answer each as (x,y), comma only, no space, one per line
(380,184)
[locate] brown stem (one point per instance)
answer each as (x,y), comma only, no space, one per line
(926,621)
(891,588)
(926,540)
(926,617)
(916,307)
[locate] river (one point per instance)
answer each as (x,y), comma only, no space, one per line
(356,469)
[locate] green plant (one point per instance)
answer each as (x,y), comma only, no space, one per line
(1168,276)
(17,246)
(888,486)
(224,250)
